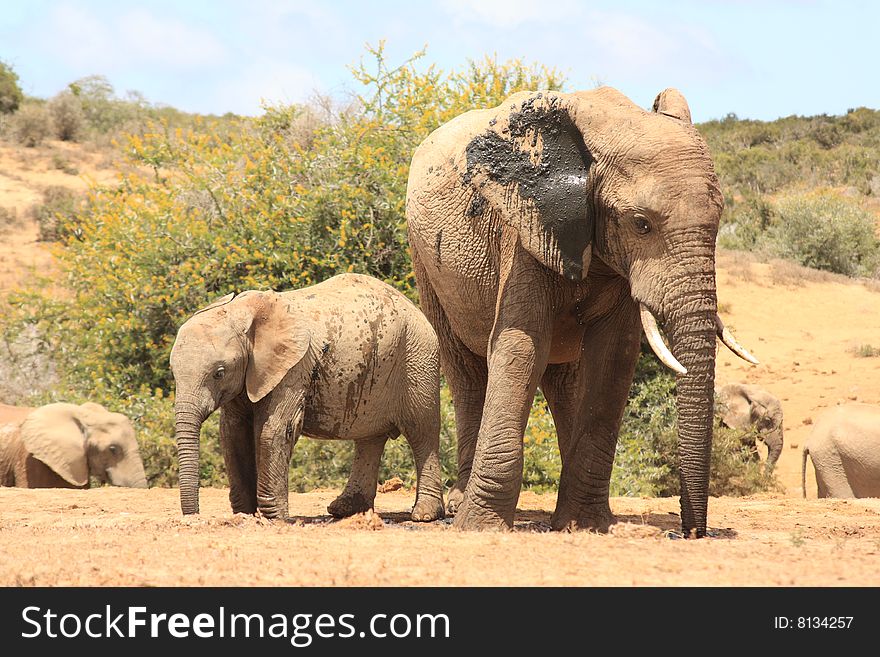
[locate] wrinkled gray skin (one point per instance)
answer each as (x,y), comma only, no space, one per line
(743,407)
(350,358)
(61,445)
(537,229)
(845,447)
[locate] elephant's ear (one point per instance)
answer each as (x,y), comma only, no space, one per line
(278,341)
(531,166)
(55,436)
(219,302)
(671,102)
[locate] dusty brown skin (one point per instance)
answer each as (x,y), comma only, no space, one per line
(62,445)
(845,448)
(744,406)
(538,228)
(350,358)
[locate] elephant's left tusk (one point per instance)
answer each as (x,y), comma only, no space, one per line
(656,341)
(730,342)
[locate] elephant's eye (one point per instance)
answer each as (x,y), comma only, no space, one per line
(219,373)
(114,450)
(642,226)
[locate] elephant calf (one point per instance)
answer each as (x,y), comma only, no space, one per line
(62,445)
(845,448)
(743,406)
(349,358)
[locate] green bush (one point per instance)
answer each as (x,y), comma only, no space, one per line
(825,231)
(68,119)
(29,126)
(11,96)
(57,215)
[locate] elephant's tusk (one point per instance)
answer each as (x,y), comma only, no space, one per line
(656,341)
(730,342)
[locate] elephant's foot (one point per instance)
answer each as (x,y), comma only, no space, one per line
(454,500)
(348,504)
(592,517)
(272,512)
(474,516)
(428,509)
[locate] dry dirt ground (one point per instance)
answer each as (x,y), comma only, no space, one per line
(114,536)
(802,324)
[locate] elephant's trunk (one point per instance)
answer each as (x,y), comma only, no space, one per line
(188,421)
(132,475)
(774,442)
(691,329)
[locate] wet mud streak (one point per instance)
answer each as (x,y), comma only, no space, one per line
(556,184)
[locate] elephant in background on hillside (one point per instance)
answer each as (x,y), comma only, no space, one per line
(845,447)
(61,445)
(546,234)
(350,358)
(743,406)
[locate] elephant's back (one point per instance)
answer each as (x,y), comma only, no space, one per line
(361,328)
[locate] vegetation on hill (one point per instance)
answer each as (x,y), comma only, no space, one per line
(797,188)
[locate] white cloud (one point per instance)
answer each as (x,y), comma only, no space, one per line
(87,42)
(166,41)
(508,14)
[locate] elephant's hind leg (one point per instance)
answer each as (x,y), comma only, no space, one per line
(423,435)
(592,421)
(360,491)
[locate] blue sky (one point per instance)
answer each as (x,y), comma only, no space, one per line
(760,60)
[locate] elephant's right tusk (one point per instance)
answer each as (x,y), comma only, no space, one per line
(656,341)
(730,342)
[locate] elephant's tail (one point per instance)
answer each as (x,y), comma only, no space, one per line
(804,455)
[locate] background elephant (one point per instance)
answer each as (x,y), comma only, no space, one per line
(349,358)
(743,406)
(544,231)
(845,448)
(61,445)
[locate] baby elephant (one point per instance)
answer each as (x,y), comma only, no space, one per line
(62,445)
(845,448)
(350,358)
(743,406)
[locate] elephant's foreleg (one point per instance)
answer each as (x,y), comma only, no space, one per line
(237,443)
(518,351)
(360,491)
(610,352)
(277,425)
(467,376)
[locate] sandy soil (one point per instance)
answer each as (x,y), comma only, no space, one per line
(24,174)
(114,536)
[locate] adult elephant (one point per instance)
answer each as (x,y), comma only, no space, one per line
(845,448)
(61,445)
(542,231)
(744,406)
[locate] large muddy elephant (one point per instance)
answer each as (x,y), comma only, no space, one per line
(744,406)
(845,447)
(546,232)
(350,358)
(61,445)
